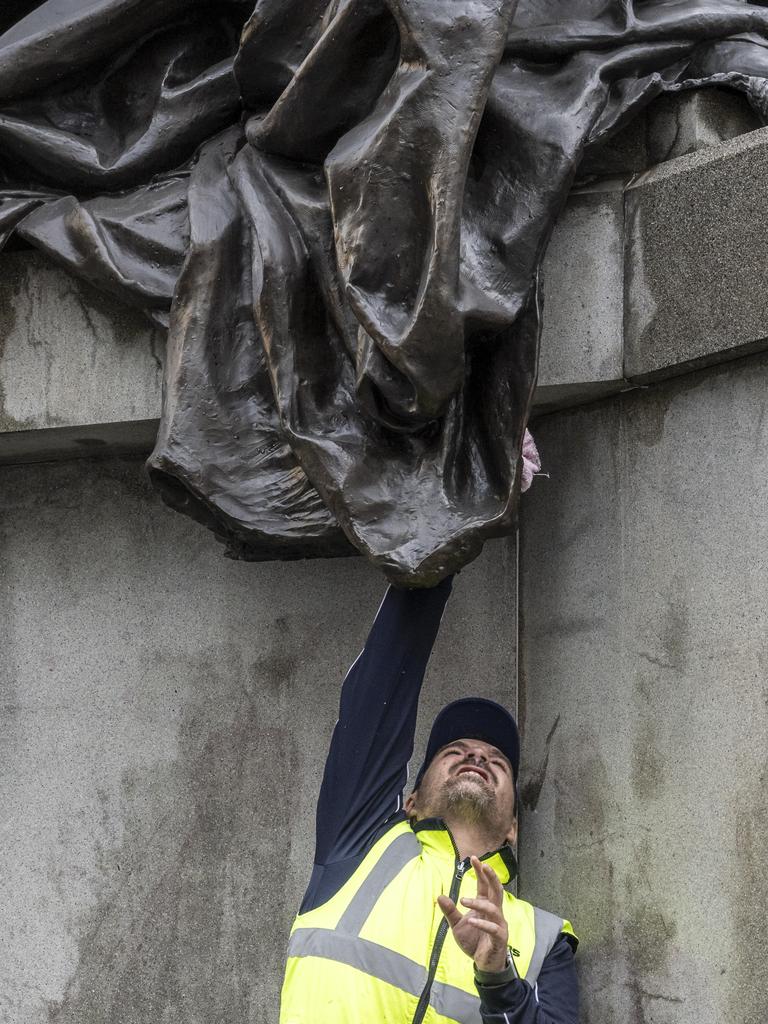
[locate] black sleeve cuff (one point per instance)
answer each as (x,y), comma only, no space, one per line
(506,997)
(491,978)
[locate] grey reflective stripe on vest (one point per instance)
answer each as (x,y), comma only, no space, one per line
(455,1003)
(368,957)
(548,928)
(385,965)
(389,865)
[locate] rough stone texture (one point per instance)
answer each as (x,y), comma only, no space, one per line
(644,590)
(673,125)
(626,152)
(166,714)
(697,253)
(583,276)
(682,123)
(69,355)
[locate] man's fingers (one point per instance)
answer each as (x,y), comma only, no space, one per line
(483,906)
(450,911)
(482,881)
(495,889)
(487,926)
(488,884)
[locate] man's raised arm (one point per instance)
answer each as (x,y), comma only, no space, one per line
(373,739)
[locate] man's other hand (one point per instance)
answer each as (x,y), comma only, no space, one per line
(482,932)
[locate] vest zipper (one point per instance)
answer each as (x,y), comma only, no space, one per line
(442,931)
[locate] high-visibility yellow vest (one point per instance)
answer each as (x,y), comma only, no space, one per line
(380,951)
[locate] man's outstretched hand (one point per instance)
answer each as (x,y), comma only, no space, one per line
(482,932)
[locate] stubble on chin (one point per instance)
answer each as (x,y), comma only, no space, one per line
(472,801)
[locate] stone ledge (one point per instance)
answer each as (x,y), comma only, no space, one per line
(673,125)
(47,444)
(69,355)
(583,280)
(696,257)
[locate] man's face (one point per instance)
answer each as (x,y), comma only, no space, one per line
(471,781)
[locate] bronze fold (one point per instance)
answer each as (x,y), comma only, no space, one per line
(338,208)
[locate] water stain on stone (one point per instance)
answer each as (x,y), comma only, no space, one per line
(273,671)
(12,268)
(90,442)
(648,934)
(11,700)
(747,975)
(590,825)
(531,789)
(647,774)
(190,921)
(675,637)
(646,417)
(673,630)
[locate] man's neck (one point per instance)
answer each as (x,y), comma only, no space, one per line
(472,840)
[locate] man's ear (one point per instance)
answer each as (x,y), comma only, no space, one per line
(410,804)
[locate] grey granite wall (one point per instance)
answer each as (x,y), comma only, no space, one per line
(165,717)
(644,696)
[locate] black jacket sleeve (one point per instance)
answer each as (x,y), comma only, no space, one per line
(553,1000)
(373,740)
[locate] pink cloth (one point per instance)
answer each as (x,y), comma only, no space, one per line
(531,461)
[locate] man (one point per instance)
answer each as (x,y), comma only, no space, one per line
(406,919)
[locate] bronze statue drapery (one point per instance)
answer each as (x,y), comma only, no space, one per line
(338,209)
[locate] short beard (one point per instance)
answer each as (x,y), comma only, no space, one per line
(470,803)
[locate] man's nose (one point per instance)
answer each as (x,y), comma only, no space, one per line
(476,755)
